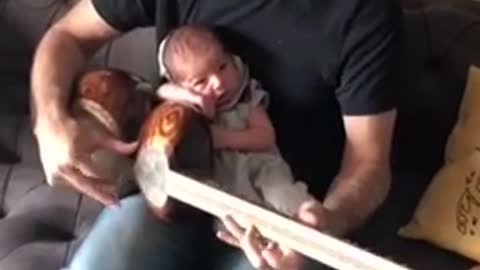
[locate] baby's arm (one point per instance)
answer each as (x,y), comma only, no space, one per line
(258,136)
(173,92)
(170,91)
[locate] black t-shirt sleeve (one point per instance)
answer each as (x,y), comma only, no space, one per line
(371,58)
(125,15)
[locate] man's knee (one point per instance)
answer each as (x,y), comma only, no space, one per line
(115,231)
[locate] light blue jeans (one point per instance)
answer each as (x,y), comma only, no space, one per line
(131,238)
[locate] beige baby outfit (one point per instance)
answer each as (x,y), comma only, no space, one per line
(263,178)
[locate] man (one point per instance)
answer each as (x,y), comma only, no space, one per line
(331,69)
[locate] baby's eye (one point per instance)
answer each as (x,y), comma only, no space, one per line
(200,82)
(222,66)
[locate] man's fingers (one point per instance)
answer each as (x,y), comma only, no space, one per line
(312,213)
(251,246)
(87,167)
(248,241)
(111,143)
(91,187)
(308,218)
(233,228)
(227,238)
(273,256)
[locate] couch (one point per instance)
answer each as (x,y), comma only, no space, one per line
(41,227)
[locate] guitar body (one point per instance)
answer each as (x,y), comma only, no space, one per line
(107,100)
(112,98)
(173,137)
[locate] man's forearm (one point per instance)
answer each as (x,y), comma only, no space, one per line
(57,59)
(353,197)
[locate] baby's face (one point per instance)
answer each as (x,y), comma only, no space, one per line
(213,74)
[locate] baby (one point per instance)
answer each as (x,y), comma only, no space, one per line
(202,73)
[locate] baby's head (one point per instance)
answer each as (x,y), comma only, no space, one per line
(194,58)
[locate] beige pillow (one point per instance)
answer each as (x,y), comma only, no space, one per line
(448,214)
(465,136)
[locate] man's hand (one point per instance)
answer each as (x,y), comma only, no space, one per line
(65,148)
(65,152)
(263,253)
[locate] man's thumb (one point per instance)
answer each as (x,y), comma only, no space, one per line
(111,143)
(312,213)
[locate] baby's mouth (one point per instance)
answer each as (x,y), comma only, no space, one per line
(223,97)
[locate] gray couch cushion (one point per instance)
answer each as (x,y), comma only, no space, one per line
(40,226)
(8,139)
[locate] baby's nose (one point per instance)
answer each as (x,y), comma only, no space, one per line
(216,82)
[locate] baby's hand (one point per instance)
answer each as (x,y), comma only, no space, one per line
(207,105)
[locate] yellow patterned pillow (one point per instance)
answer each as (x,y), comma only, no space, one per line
(465,135)
(448,215)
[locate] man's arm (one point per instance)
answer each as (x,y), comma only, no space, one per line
(365,176)
(62,52)
(370,80)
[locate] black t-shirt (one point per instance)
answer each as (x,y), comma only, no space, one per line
(318,59)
